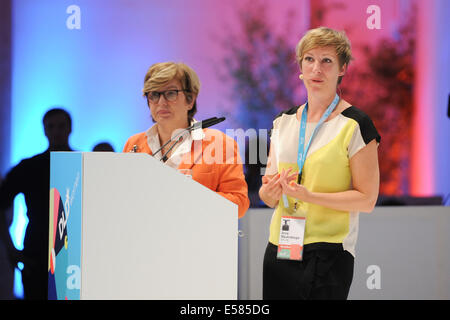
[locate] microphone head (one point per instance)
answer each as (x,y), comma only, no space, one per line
(210,122)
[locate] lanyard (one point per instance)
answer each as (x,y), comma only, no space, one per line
(302,150)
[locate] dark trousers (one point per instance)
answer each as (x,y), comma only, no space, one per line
(325,273)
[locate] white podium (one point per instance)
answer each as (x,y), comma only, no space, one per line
(126,226)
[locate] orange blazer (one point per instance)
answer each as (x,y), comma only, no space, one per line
(215,163)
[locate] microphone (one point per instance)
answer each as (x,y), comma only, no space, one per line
(192,127)
(200,124)
(206,123)
(211,122)
(203,124)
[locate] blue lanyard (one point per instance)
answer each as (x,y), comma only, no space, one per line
(302,151)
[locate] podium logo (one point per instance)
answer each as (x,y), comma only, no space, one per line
(63,274)
(58,228)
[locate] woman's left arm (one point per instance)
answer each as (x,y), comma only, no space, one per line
(232,184)
(234,187)
(365,179)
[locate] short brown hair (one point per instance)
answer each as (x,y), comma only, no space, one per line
(161,73)
(325,37)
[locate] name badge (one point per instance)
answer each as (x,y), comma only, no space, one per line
(290,244)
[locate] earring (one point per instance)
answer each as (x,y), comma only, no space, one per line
(300,76)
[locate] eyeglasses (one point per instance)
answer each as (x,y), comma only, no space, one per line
(170,95)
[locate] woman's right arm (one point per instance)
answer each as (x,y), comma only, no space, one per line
(270,191)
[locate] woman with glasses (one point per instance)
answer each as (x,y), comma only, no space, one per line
(209,156)
(322,171)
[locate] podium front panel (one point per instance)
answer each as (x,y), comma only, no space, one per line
(150,232)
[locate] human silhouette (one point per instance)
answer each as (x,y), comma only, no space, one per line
(32,178)
(103,147)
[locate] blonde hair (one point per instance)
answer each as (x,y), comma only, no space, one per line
(161,73)
(325,37)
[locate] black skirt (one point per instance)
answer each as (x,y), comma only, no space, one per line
(325,273)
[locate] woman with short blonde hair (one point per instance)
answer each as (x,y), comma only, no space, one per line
(322,171)
(325,37)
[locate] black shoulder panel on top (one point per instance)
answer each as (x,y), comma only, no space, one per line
(291,111)
(368,130)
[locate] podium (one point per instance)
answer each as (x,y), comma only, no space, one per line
(126,226)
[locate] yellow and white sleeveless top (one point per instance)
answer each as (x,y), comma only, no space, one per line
(326,169)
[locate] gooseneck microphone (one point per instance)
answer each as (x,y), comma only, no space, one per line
(211,122)
(178,137)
